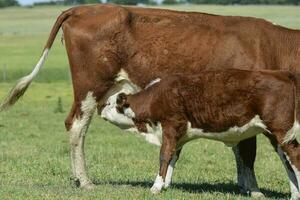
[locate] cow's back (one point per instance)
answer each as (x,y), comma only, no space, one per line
(148,42)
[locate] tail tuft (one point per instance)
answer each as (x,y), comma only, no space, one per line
(23,84)
(15,93)
(293,134)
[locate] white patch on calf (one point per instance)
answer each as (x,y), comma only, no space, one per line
(231,137)
(129,113)
(158,185)
(169,174)
(293,133)
(154,134)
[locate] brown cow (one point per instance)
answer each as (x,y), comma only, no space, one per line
(224,105)
(104,40)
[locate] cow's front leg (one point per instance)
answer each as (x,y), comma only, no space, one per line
(171,167)
(245,153)
(167,151)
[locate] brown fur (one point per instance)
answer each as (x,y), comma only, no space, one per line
(147,43)
(215,101)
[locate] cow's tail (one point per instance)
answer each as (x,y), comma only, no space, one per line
(294,132)
(19,89)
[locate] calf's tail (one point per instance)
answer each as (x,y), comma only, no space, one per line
(294,132)
(20,88)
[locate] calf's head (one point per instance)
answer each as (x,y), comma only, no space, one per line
(122,106)
(113,113)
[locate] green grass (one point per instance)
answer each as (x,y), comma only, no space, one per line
(34,160)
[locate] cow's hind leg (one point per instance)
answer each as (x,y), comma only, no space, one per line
(77,124)
(245,153)
(295,195)
(289,155)
(94,64)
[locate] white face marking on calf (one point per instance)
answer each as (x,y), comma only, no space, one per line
(110,113)
(125,121)
(129,113)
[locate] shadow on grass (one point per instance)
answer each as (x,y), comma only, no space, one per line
(226,188)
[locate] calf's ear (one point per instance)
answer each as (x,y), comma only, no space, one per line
(122,102)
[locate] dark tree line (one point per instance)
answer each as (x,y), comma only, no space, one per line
(6,3)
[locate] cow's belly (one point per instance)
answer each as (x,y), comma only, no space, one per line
(231,137)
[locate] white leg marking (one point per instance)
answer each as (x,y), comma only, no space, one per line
(77,136)
(171,166)
(292,172)
(158,185)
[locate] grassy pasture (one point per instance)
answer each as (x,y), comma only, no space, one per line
(34,159)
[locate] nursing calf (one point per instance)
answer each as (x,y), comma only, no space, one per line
(224,105)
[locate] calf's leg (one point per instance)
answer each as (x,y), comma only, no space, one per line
(167,151)
(245,153)
(171,167)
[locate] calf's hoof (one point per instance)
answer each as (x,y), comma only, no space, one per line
(257,194)
(155,190)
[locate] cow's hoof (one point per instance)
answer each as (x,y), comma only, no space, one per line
(167,185)
(155,190)
(88,186)
(257,195)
